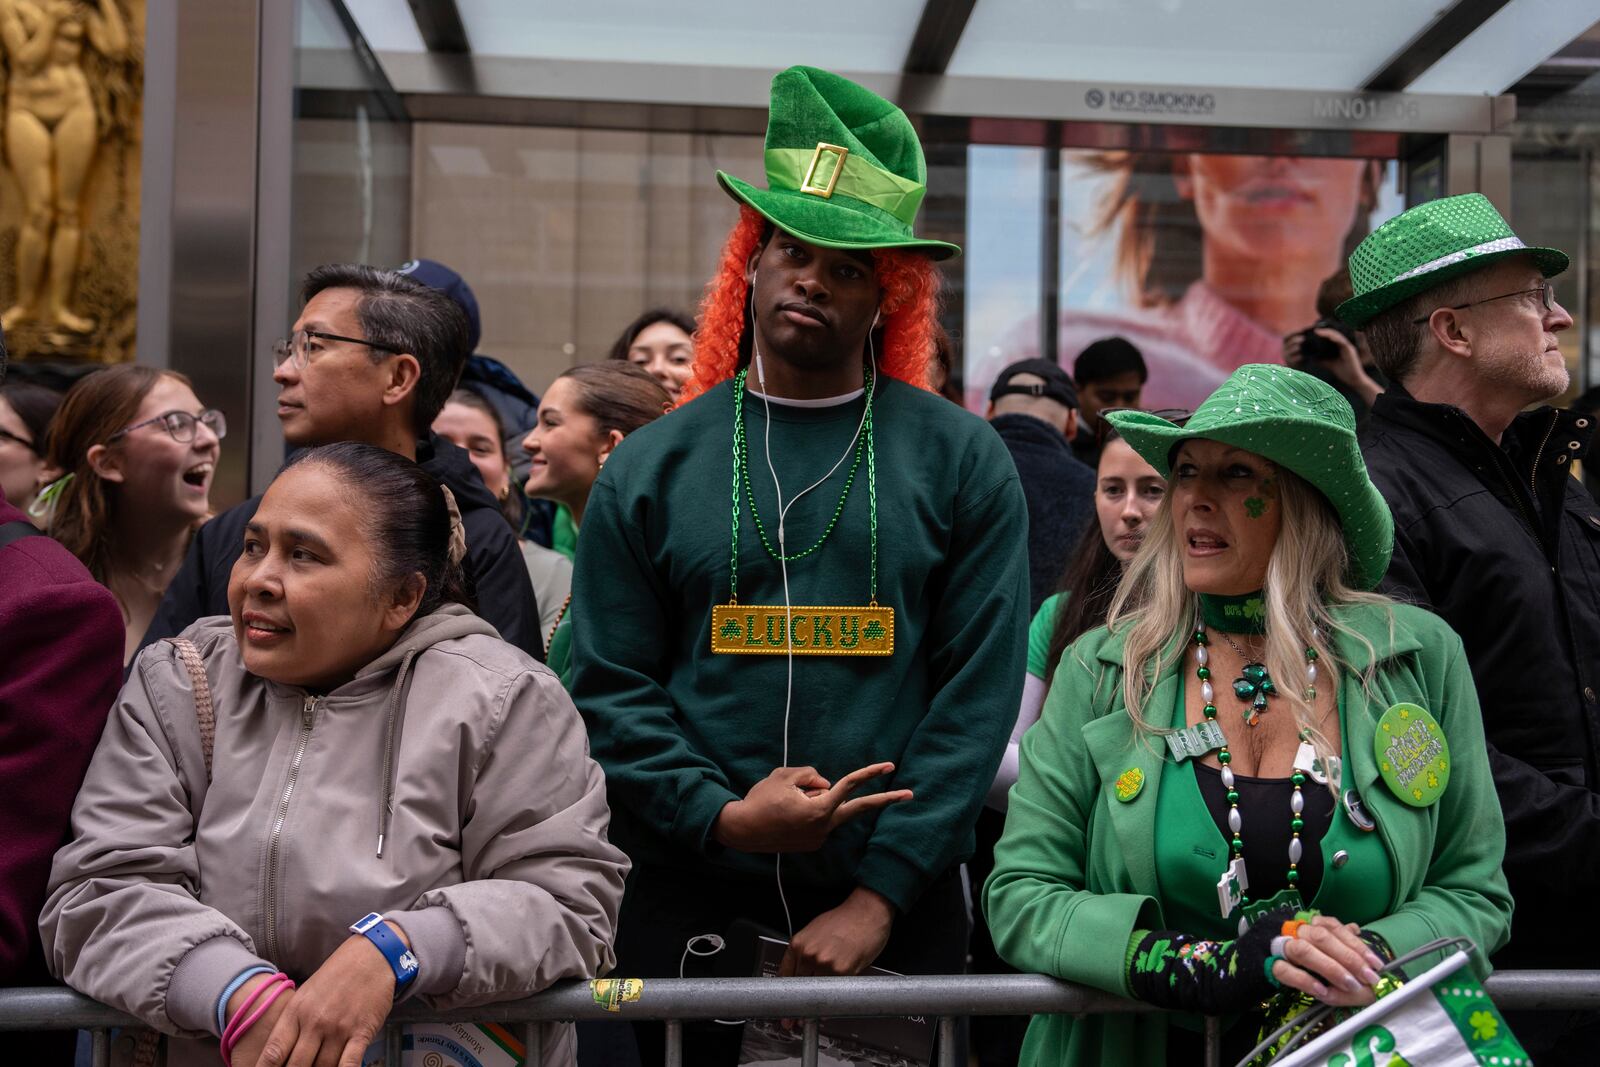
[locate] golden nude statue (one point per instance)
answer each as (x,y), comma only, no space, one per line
(51,133)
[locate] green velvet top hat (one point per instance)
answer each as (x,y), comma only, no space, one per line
(1429,244)
(844,167)
(1297,422)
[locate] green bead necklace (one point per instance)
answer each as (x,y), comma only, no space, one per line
(741,474)
(1224,757)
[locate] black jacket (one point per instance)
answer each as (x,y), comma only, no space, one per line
(1086,447)
(494,566)
(1060,492)
(1505,545)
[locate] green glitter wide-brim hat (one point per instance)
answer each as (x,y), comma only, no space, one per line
(1298,422)
(1429,244)
(844,167)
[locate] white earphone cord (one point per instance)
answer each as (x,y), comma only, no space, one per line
(783,567)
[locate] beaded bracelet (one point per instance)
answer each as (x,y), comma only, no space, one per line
(243,1019)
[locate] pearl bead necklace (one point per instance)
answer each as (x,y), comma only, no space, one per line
(1297,800)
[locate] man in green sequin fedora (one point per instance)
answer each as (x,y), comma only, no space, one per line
(799,605)
(1493,534)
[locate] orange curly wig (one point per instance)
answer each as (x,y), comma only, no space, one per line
(910,304)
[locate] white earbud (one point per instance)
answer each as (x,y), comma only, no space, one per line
(755,348)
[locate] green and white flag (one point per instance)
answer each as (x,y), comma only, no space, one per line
(1441,1018)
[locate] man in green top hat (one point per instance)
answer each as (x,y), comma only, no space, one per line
(1493,534)
(800,600)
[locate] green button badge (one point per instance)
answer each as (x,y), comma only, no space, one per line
(1413,755)
(1129,782)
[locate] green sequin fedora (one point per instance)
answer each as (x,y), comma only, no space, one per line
(1429,244)
(1299,423)
(844,167)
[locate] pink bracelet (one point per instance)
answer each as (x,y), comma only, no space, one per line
(236,1033)
(254,996)
(266,992)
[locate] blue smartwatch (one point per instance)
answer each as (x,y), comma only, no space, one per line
(402,960)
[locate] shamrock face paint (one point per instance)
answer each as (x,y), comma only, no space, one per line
(1225,515)
(1256,506)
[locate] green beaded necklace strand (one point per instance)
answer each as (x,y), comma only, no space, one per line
(741,473)
(1224,757)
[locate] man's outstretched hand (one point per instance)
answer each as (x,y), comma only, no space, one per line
(793,809)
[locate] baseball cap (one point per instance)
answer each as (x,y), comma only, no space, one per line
(436,275)
(1056,384)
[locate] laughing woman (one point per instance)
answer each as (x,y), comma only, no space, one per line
(1221,762)
(136,453)
(395,800)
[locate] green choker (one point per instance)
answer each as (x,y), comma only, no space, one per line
(1235,614)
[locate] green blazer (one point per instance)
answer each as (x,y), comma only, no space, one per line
(1075,875)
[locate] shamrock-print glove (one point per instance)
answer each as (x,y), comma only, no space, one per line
(1184,973)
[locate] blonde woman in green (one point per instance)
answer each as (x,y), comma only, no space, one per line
(1257,776)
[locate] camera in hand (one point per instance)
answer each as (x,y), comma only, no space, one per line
(1314,346)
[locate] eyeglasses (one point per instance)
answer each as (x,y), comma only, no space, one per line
(181,424)
(6,435)
(1546,291)
(297,346)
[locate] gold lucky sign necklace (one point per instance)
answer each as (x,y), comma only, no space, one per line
(779,630)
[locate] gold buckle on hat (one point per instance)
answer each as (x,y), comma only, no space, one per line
(824,191)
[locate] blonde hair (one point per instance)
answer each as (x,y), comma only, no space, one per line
(1307,582)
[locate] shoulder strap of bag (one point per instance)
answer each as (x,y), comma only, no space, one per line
(147,1045)
(203,708)
(16,530)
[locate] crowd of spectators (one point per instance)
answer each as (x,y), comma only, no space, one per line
(727,637)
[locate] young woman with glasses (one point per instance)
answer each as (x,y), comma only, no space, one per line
(137,452)
(25,413)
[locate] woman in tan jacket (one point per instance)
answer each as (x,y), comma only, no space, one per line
(378,751)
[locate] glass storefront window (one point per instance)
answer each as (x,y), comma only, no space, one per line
(352,153)
(1003,258)
(566,235)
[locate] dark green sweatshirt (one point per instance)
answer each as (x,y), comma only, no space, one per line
(681,731)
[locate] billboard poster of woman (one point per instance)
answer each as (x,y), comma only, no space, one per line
(1203,260)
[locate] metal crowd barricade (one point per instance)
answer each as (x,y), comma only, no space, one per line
(679,1000)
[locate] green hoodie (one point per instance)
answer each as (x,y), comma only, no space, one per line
(1075,871)
(681,731)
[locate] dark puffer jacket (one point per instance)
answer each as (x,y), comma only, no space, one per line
(1060,493)
(1503,543)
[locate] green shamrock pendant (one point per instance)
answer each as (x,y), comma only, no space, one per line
(1254,687)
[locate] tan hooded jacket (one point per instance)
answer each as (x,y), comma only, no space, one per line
(448,785)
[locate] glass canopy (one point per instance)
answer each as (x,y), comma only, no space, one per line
(1282,44)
